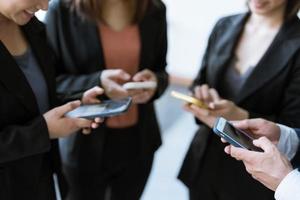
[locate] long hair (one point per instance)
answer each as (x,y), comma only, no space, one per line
(91,9)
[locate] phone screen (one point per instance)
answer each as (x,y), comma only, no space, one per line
(240,137)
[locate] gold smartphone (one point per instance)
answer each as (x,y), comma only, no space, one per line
(189,99)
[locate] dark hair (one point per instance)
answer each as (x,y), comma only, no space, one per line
(91,9)
(292,8)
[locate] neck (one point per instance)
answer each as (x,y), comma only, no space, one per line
(272,20)
(5,25)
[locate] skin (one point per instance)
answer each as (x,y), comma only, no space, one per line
(269,167)
(118,14)
(112,81)
(15,13)
(265,20)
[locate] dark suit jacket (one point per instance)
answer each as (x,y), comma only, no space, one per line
(80,54)
(24,137)
(272,90)
(296,159)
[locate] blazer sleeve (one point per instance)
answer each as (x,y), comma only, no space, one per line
(201,76)
(296,159)
(19,141)
(69,86)
(161,53)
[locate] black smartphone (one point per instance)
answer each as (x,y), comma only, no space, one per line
(107,108)
(234,136)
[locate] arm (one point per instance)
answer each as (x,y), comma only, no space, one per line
(19,141)
(69,85)
(161,53)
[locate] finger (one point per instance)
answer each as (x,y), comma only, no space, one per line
(134,92)
(121,74)
(82,123)
(214,94)
(144,75)
(242,154)
(205,93)
(251,124)
(61,110)
(116,90)
(223,140)
(98,120)
(199,111)
(141,98)
(94,125)
(197,92)
(222,104)
(86,131)
(227,149)
(265,144)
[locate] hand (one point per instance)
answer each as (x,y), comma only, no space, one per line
(91,95)
(217,107)
(143,96)
(259,128)
(206,94)
(112,80)
(61,126)
(269,167)
(228,109)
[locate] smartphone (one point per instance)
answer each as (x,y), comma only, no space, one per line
(189,99)
(234,136)
(107,108)
(140,85)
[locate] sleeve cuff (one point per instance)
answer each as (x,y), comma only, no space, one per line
(288,141)
(288,189)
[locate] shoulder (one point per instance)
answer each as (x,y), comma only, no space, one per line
(58,7)
(231,21)
(156,7)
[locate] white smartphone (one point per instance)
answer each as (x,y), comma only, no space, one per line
(140,85)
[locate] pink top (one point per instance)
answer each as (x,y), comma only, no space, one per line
(121,50)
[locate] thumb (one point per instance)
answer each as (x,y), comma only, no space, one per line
(241,154)
(121,74)
(61,110)
(264,143)
(219,104)
(142,76)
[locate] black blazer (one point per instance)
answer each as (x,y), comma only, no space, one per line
(296,159)
(272,91)
(80,54)
(24,137)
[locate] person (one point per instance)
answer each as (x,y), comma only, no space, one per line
(250,69)
(109,43)
(271,167)
(28,125)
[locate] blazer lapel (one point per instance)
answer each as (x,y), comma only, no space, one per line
(284,46)
(225,47)
(15,81)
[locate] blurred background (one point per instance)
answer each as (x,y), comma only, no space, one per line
(189,25)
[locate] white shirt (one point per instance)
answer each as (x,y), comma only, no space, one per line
(288,144)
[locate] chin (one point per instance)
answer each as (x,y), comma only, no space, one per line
(21,21)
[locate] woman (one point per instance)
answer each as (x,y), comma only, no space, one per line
(27,91)
(109,43)
(251,69)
